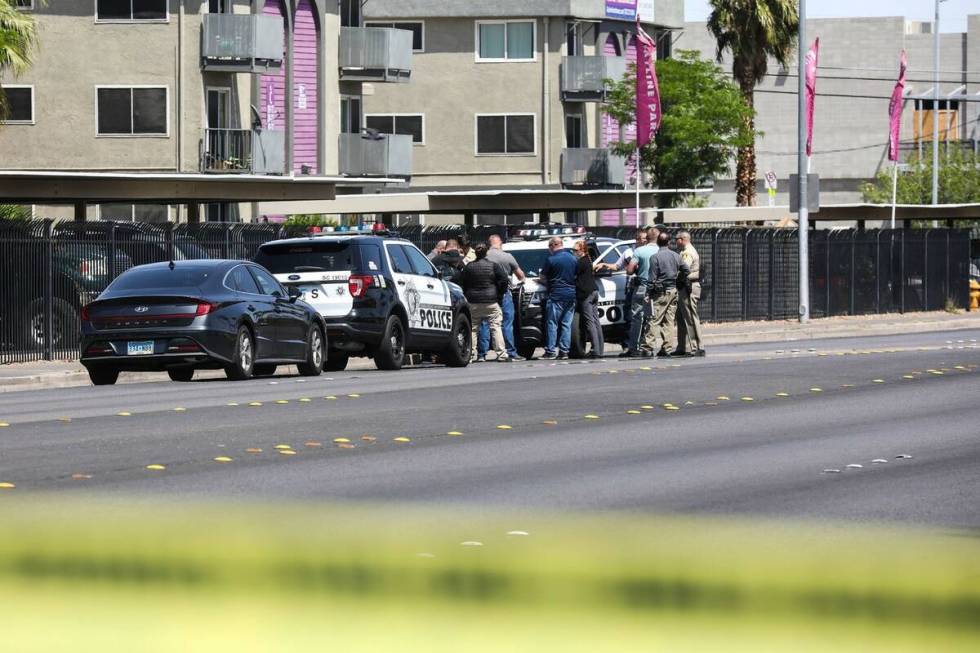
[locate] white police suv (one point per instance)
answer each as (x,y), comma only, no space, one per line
(379,296)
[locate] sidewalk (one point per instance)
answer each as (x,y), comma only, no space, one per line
(60,374)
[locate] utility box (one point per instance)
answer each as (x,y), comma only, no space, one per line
(812,193)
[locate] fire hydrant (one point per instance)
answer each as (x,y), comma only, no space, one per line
(974,294)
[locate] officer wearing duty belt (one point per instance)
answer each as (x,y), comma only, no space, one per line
(688,296)
(667,270)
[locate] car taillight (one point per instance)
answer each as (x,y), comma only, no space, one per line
(85,314)
(358,284)
(99,349)
(203,308)
(183,346)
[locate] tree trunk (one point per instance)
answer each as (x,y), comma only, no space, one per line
(745,174)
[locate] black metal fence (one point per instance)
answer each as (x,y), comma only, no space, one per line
(49,270)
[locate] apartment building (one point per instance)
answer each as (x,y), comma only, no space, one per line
(203,86)
(508,94)
(857,71)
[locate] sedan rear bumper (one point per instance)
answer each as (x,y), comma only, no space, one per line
(170,348)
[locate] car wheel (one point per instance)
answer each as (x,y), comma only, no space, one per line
(336,361)
(390,354)
(244,356)
(181,374)
(264,369)
(461,344)
(103,375)
(65,324)
(578,337)
(315,353)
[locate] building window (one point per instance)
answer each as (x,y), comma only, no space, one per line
(20,102)
(131,10)
(24,4)
(417,29)
(505,40)
(350,114)
(505,134)
(411,124)
(137,111)
(350,13)
(135,212)
(574,130)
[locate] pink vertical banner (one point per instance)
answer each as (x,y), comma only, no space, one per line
(812,56)
(647,88)
(895,110)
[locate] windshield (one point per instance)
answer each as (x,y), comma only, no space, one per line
(182,276)
(307,257)
(532,260)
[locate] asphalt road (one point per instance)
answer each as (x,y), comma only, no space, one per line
(754,431)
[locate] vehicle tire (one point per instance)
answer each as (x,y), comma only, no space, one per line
(316,350)
(336,361)
(526,350)
(103,375)
(578,337)
(390,354)
(65,325)
(244,356)
(264,369)
(460,345)
(181,374)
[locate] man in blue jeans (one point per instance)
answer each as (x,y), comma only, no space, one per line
(515,274)
(559,273)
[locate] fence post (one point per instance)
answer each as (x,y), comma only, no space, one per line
(772,268)
(826,276)
(168,239)
(949,282)
(745,275)
(877,273)
(226,247)
(901,267)
(714,275)
(853,264)
(48,290)
(111,262)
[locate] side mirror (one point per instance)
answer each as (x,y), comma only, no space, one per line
(294,293)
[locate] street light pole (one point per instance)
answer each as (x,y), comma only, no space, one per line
(935,108)
(803,169)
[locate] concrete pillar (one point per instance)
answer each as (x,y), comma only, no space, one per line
(544,217)
(80,208)
(193,213)
(469,219)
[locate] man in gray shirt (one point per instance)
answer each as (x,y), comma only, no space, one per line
(516,275)
(665,267)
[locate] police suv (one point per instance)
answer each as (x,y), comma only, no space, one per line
(531,250)
(379,297)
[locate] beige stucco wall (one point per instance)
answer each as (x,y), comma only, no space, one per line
(450,87)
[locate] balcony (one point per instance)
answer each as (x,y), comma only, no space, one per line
(582,166)
(243,151)
(390,156)
(242,43)
(583,78)
(375,54)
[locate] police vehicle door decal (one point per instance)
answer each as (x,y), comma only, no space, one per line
(426,299)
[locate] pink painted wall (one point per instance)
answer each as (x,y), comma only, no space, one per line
(272,90)
(305,124)
(610,133)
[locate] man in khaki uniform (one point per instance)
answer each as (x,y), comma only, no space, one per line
(665,268)
(688,320)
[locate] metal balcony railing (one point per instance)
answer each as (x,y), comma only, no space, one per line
(243,151)
(583,78)
(375,54)
(583,166)
(242,43)
(363,156)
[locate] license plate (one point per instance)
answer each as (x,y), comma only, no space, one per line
(141,348)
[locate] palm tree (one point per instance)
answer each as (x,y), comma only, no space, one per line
(752,31)
(18,41)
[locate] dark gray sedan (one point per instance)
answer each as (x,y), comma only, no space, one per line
(200,314)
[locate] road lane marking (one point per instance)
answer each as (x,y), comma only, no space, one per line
(341,440)
(312,444)
(455,433)
(7,486)
(504,427)
(402,438)
(156,468)
(124,414)
(253,450)
(222,459)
